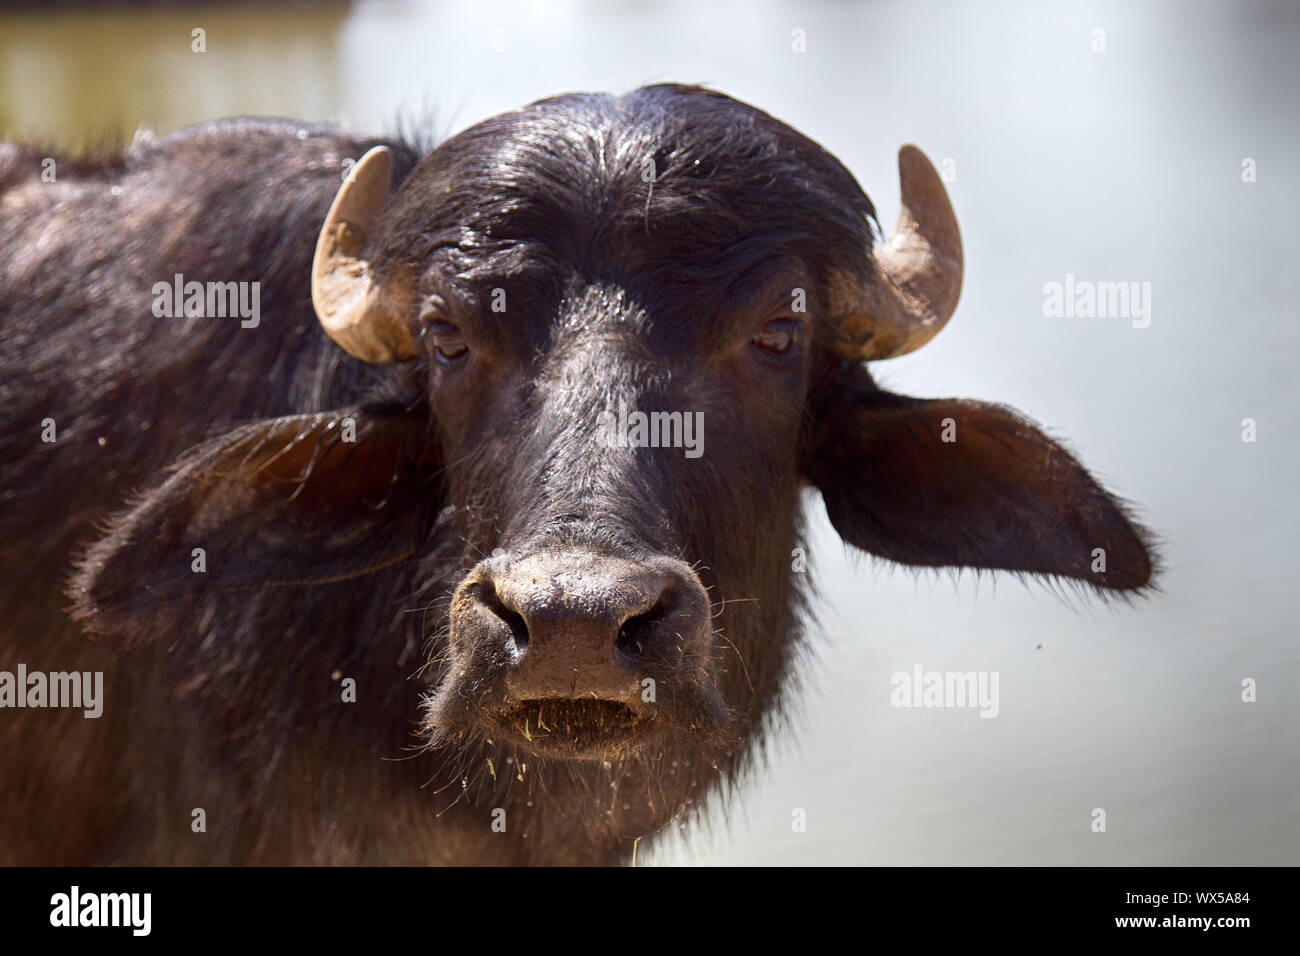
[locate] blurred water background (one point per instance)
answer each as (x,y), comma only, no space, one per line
(1118,163)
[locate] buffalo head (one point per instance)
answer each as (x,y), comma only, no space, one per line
(612,339)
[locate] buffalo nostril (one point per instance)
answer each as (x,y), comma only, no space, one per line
(638,630)
(488,597)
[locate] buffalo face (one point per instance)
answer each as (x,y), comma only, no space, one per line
(537,290)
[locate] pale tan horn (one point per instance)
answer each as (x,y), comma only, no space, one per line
(352,308)
(918,271)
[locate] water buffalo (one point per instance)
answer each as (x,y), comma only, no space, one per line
(372,575)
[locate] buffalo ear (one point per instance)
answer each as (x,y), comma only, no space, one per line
(303,500)
(958,483)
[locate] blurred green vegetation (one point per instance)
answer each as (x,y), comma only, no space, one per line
(84,78)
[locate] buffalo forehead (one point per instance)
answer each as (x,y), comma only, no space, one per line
(677,208)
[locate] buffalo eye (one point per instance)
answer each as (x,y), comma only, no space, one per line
(777,335)
(448,341)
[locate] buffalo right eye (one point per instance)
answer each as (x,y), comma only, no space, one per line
(448,342)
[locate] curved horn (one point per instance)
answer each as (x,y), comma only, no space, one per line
(917,272)
(349,303)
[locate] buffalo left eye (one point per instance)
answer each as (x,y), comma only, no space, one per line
(777,335)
